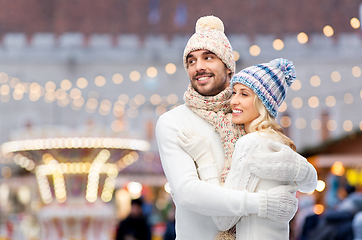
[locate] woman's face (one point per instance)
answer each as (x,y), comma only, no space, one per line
(242,104)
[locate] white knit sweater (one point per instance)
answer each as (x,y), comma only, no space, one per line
(197,200)
(253,227)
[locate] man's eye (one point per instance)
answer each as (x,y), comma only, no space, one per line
(233,93)
(191,61)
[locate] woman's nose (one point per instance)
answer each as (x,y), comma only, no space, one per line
(234,101)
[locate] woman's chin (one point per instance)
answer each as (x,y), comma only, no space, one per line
(236,121)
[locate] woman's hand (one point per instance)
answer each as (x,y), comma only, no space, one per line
(197,146)
(282,164)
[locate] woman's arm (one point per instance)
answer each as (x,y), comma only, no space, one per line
(309,182)
(284,165)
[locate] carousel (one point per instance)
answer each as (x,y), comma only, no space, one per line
(75,171)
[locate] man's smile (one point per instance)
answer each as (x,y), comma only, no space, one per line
(203,78)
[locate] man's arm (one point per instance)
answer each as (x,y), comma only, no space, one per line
(191,193)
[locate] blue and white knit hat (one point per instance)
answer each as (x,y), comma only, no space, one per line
(269,81)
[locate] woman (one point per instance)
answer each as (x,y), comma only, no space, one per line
(258,91)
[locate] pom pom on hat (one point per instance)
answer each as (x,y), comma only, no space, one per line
(286,67)
(210,36)
(208,23)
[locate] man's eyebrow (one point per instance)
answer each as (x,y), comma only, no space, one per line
(189,55)
(204,53)
(208,52)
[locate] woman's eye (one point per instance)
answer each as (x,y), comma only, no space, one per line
(233,93)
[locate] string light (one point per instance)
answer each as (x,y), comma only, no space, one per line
(355,23)
(170,68)
(302,38)
(236,55)
(347,125)
(254,50)
(278,44)
(60,143)
(328,31)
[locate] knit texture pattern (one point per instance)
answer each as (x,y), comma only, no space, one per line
(216,110)
(209,35)
(269,81)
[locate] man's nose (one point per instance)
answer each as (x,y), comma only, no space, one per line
(200,65)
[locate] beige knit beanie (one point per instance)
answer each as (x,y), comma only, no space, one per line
(209,35)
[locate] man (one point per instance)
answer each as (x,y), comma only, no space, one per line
(135,226)
(209,62)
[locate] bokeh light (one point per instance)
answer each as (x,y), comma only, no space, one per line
(254,50)
(285,121)
(297,84)
(151,72)
(348,98)
(347,125)
(100,81)
(331,125)
(316,124)
(318,209)
(321,185)
(297,102)
(313,102)
(328,31)
(65,84)
(336,76)
(283,107)
(302,38)
(236,55)
(355,23)
(117,78)
(170,68)
(330,101)
(315,81)
(356,71)
(82,83)
(300,123)
(278,44)
(338,168)
(135,76)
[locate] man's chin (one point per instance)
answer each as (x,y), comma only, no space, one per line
(205,91)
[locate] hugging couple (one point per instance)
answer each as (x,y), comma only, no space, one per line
(233,173)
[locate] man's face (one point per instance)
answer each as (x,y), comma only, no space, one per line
(208,74)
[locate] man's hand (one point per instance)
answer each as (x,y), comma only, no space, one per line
(278,204)
(196,146)
(283,164)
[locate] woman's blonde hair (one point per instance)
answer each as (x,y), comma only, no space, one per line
(266,123)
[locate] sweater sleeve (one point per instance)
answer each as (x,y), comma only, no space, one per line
(309,182)
(188,190)
(237,177)
(207,174)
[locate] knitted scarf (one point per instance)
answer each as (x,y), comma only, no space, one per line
(216,110)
